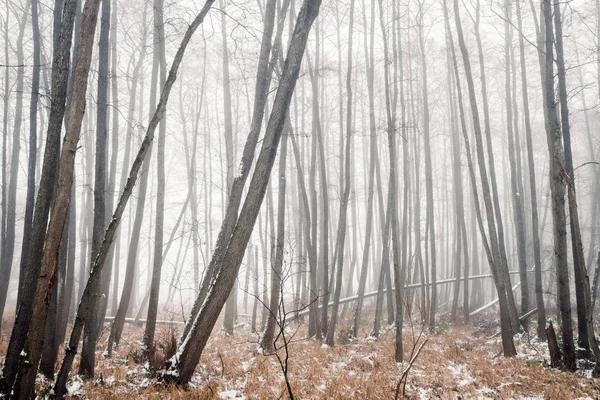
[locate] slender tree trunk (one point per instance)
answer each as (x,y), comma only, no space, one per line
(428,175)
(557,186)
(8,246)
(342,220)
(160,191)
(496,264)
(372,156)
(515,175)
(88,352)
(537,259)
(277,278)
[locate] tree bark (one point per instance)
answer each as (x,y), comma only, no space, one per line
(60,73)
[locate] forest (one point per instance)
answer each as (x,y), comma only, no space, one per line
(300,199)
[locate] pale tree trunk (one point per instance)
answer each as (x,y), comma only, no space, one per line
(277,278)
(369,62)
(159,40)
(86,303)
(497,215)
(342,220)
(496,264)
(181,367)
(324,236)
(228,133)
(60,73)
(515,175)
(428,174)
(116,327)
(393,196)
(112,177)
(8,245)
(535,232)
(312,254)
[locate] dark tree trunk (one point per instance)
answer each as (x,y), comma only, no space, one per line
(557,187)
(88,352)
(30,268)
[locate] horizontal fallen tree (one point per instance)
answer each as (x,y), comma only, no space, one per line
(409,286)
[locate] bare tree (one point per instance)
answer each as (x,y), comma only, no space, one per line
(180,367)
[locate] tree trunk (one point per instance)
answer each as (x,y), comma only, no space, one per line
(88,352)
(180,367)
(557,186)
(159,40)
(60,73)
(277,277)
(586,338)
(496,264)
(7,247)
(537,259)
(369,62)
(264,74)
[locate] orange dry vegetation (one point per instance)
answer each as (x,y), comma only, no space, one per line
(456,362)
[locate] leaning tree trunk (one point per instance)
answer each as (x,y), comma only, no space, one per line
(263,81)
(181,367)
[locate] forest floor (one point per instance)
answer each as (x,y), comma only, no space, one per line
(456,362)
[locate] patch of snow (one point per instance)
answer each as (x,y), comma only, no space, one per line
(110,381)
(75,386)
(321,388)
(230,395)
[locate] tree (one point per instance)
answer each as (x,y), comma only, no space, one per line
(29,274)
(181,366)
(557,187)
(88,353)
(341,234)
(161,63)
(496,261)
(24,386)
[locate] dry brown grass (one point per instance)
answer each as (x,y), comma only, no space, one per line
(458,362)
